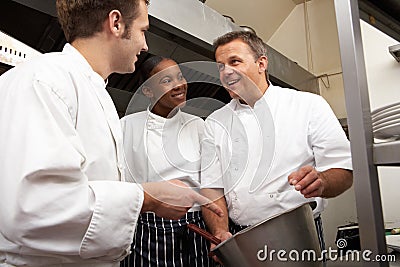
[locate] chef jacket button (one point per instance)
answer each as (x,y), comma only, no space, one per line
(236,168)
(271,195)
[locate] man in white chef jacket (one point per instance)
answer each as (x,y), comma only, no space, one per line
(63,199)
(270,149)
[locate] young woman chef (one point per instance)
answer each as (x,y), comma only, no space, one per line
(163,143)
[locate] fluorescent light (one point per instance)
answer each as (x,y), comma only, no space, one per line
(13,52)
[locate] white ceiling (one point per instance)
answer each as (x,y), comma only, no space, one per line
(264,16)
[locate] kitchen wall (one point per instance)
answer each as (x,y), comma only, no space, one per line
(309,37)
(264,16)
(383,75)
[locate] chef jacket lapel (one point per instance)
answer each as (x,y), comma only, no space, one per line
(140,149)
(240,155)
(172,139)
(143,149)
(112,118)
(110,113)
(266,123)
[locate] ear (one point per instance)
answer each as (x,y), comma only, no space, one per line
(115,23)
(262,64)
(147,92)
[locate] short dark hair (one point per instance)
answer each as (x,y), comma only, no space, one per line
(148,66)
(84,18)
(255,43)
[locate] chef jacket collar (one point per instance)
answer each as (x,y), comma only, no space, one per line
(154,117)
(155,121)
(243,107)
(84,65)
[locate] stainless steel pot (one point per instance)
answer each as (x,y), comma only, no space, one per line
(288,239)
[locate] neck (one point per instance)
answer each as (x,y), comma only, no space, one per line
(255,95)
(164,112)
(263,86)
(96,53)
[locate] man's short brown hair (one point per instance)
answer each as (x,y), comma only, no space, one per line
(254,42)
(84,18)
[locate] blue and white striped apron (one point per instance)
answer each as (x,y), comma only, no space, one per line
(168,243)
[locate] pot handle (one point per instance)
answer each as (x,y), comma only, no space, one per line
(204,233)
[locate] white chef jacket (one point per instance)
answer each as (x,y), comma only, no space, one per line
(62,201)
(160,149)
(292,129)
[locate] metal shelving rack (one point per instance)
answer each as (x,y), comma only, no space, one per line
(366,155)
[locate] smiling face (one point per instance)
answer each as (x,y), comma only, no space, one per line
(240,72)
(167,87)
(132,42)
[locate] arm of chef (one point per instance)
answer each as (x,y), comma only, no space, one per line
(48,206)
(331,148)
(212,185)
